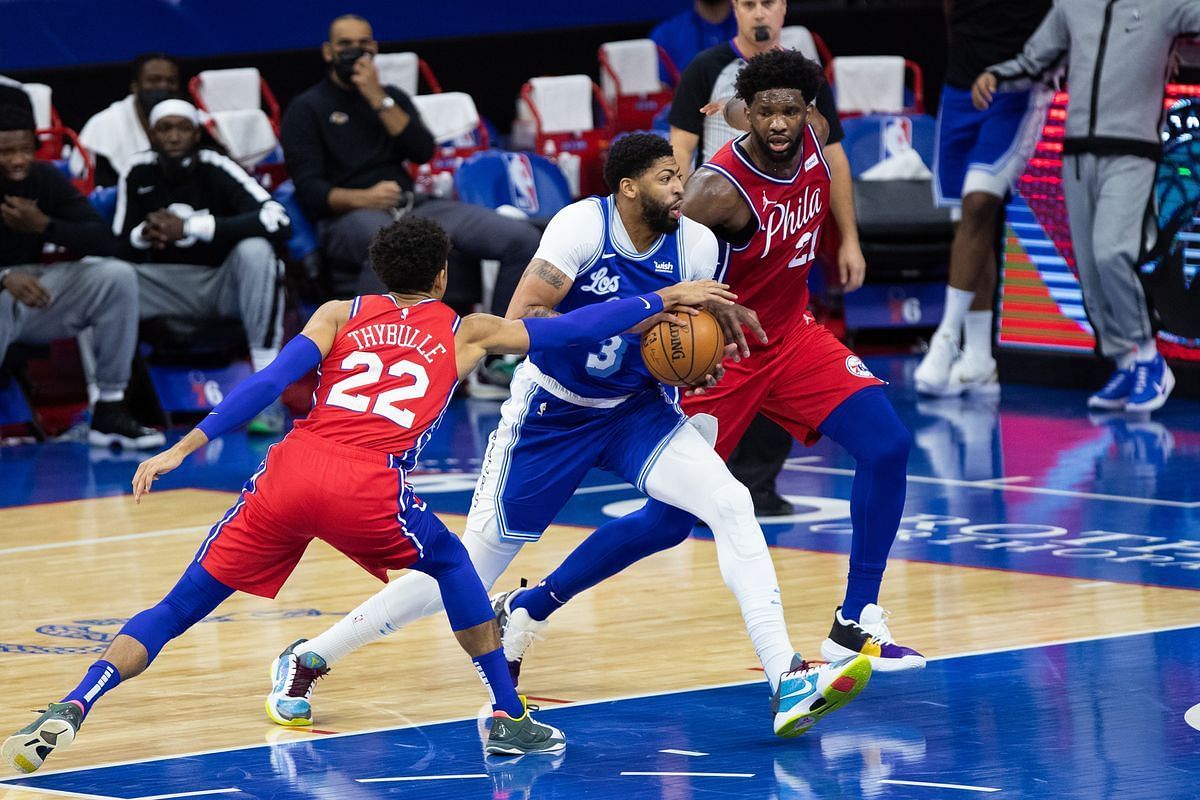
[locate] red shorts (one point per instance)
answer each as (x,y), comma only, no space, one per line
(796,381)
(309,487)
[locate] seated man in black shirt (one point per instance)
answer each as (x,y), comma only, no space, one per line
(346,140)
(202,233)
(39,304)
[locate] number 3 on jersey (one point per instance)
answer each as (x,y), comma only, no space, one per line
(608,360)
(385,403)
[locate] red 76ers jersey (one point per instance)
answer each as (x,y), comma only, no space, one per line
(388,377)
(769,273)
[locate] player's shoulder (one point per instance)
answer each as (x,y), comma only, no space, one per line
(695,233)
(584,210)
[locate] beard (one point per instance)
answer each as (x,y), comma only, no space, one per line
(658,217)
(786,155)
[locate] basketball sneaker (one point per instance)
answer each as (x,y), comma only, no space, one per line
(933,373)
(870,637)
(522,736)
(808,692)
(1115,394)
(294,675)
(55,729)
(1152,384)
(974,374)
(518,630)
(113,424)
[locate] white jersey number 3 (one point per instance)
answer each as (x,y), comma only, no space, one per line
(385,404)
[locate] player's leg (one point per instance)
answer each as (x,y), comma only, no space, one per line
(136,645)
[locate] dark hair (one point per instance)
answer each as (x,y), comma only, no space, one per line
(16,118)
(139,62)
(408,254)
(344,18)
(633,154)
(778,69)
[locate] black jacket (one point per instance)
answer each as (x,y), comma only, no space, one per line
(217,187)
(74,224)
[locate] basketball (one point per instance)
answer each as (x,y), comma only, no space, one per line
(681,355)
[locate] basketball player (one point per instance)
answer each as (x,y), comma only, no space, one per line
(388,365)
(570,412)
(766,194)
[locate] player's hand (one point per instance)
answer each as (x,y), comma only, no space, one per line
(713,378)
(162,228)
(852,266)
(715,107)
(27,290)
(149,470)
(982,90)
(733,319)
(21,214)
(697,293)
(384,195)
(672,316)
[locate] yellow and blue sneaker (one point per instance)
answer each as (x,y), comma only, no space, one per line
(808,692)
(294,675)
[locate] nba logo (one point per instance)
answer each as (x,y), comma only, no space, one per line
(521,186)
(897,137)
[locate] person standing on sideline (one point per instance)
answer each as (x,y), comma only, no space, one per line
(1117,55)
(979,155)
(706,24)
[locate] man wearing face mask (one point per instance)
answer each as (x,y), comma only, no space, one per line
(202,236)
(346,140)
(40,303)
(116,133)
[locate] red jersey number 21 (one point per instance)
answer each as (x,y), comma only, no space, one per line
(804,256)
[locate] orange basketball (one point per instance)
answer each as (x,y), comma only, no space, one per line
(681,355)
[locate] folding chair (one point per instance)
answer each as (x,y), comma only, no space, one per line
(876,84)
(243,113)
(405,71)
(555,115)
(629,77)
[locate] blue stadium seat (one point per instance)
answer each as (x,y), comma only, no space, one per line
(104,200)
(526,181)
(864,138)
(303,241)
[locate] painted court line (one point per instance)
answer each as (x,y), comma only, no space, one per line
(682,752)
(417,778)
(203,793)
(7,784)
(692,774)
(940,785)
(191,530)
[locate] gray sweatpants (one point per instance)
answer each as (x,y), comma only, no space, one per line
(1106,200)
(100,294)
(246,286)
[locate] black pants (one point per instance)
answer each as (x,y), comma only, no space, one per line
(758,459)
(475,232)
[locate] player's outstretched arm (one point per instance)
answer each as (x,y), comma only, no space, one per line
(297,359)
(481,334)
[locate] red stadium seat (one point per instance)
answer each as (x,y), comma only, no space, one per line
(630,77)
(454,121)
(405,71)
(243,116)
(84,182)
(556,115)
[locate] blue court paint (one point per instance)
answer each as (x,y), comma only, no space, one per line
(1102,718)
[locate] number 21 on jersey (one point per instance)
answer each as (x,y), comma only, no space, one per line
(340,393)
(809,240)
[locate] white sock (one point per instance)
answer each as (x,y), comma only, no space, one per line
(1125,360)
(691,476)
(408,598)
(110,395)
(977,334)
(1147,351)
(261,357)
(958,302)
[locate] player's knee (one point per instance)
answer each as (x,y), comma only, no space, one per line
(890,444)
(979,210)
(666,524)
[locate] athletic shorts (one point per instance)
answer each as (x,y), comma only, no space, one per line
(796,381)
(308,487)
(984,151)
(544,447)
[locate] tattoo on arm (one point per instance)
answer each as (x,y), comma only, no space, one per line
(549,273)
(539,311)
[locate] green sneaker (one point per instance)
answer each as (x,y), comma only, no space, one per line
(54,729)
(808,692)
(519,737)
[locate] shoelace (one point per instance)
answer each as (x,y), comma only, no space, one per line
(881,635)
(522,640)
(1141,377)
(303,680)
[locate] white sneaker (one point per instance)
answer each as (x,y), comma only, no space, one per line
(869,636)
(933,373)
(518,630)
(807,692)
(975,374)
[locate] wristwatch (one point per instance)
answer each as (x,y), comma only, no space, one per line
(387,102)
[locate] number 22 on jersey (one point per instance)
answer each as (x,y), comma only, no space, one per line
(385,404)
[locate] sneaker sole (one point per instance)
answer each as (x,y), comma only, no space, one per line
(507,750)
(1106,405)
(937,390)
(1159,400)
(836,695)
(100,439)
(833,652)
(298,722)
(18,747)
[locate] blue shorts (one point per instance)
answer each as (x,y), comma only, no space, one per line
(544,447)
(984,151)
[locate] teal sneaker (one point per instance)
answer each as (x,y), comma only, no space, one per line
(523,736)
(28,748)
(808,692)
(294,675)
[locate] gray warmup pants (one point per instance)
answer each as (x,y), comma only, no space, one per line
(1106,200)
(245,286)
(474,231)
(100,294)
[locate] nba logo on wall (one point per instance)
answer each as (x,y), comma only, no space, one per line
(897,137)
(521,185)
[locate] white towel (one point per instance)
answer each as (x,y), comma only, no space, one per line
(905,165)
(448,115)
(635,62)
(246,134)
(115,133)
(402,70)
(231,89)
(869,84)
(564,103)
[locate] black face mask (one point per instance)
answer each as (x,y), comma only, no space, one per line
(147,99)
(344,61)
(177,169)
